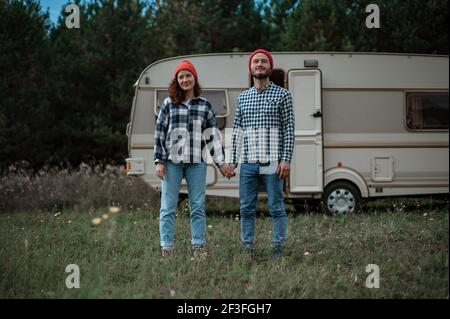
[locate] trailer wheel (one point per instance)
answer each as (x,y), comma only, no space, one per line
(341,198)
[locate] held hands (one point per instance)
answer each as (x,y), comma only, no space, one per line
(283,170)
(161,170)
(227,170)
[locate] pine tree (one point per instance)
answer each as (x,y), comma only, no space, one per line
(23,82)
(94,69)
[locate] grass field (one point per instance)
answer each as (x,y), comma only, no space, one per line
(326,256)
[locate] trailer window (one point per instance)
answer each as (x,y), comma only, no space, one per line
(217,98)
(427,110)
(159,99)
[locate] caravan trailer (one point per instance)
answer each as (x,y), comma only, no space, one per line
(367,125)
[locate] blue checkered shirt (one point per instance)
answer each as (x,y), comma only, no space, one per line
(264,122)
(184,130)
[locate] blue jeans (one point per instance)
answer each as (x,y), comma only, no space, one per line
(195,175)
(248,192)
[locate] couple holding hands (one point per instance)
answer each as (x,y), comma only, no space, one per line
(186,125)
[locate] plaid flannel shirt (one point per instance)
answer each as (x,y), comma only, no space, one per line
(184,130)
(264,122)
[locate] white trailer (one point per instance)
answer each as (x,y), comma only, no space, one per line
(366,124)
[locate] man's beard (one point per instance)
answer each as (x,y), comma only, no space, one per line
(261,76)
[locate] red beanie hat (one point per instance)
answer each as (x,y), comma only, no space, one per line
(185,65)
(263,52)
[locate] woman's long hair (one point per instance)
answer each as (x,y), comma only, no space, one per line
(177,94)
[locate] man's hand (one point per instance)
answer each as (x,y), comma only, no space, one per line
(283,170)
(160,170)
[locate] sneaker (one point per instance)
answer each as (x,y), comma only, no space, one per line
(200,252)
(167,252)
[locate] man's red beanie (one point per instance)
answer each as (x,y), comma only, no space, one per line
(185,65)
(263,52)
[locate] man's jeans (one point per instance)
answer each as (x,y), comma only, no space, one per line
(195,175)
(248,193)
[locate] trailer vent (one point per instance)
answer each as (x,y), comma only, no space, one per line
(311,63)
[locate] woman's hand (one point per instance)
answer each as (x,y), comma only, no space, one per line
(160,170)
(227,170)
(224,170)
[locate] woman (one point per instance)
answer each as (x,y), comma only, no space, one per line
(183,120)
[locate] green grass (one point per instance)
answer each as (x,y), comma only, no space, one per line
(326,256)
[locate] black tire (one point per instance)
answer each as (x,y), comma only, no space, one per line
(341,198)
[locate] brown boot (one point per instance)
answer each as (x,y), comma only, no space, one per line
(200,252)
(167,252)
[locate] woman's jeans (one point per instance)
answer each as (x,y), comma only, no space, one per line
(248,193)
(195,175)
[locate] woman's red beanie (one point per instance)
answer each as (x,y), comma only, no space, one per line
(263,52)
(185,65)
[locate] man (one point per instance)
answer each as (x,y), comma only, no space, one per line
(263,140)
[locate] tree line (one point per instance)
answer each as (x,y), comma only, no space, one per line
(66,94)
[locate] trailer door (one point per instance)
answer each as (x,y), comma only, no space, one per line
(307,163)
